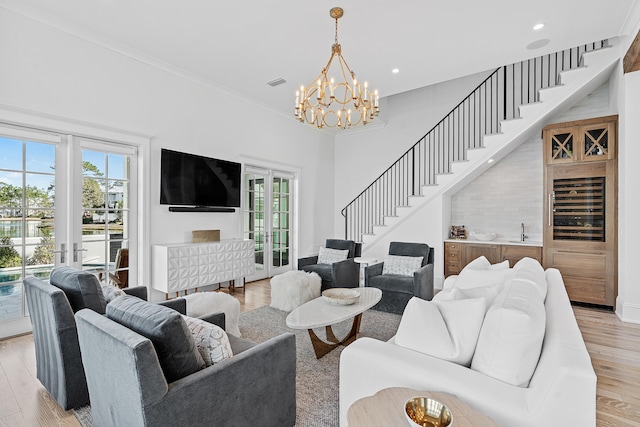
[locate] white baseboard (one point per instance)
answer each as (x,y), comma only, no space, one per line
(628,312)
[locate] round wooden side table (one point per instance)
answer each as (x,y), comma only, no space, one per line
(386,408)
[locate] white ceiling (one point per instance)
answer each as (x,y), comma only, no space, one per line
(241,45)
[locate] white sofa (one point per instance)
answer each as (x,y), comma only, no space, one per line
(562,390)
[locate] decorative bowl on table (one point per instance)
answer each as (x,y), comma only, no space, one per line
(426,412)
(341,296)
(485,237)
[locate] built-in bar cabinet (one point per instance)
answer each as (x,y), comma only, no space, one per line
(580,222)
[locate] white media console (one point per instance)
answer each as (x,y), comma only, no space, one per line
(183,266)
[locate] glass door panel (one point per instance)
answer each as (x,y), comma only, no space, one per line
(105,219)
(579,209)
(254,218)
(27,219)
(267,220)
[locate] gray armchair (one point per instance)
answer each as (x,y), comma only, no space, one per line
(51,308)
(256,386)
(397,290)
(342,274)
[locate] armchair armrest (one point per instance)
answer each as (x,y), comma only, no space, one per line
(137,291)
(218,319)
(310,260)
(346,273)
(264,375)
(423,282)
(371,271)
(178,304)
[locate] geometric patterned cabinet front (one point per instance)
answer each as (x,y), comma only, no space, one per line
(182,266)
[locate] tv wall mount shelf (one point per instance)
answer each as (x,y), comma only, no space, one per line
(199,209)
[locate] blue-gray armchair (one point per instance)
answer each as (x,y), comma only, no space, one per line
(398,289)
(125,358)
(51,308)
(341,274)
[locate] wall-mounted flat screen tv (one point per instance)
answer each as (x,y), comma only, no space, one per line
(191,180)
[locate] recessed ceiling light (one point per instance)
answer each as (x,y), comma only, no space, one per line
(490,161)
(538,26)
(395,70)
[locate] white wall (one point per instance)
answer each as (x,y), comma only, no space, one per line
(628,88)
(52,72)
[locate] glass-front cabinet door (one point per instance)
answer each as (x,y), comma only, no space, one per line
(579,209)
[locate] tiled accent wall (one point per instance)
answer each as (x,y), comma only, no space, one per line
(510,193)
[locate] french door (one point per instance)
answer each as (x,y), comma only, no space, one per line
(103,229)
(267,209)
(63,201)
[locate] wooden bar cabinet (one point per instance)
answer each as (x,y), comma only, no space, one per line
(580,203)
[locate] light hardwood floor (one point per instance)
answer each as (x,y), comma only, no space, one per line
(614,347)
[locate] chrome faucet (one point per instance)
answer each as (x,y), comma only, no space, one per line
(522,236)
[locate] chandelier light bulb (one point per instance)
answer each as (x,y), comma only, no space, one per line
(336,103)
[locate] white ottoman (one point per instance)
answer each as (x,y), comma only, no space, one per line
(294,288)
(203,303)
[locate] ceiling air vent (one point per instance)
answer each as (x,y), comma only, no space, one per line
(276,82)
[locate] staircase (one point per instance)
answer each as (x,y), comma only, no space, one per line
(505,110)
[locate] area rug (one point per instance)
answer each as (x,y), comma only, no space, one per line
(317,380)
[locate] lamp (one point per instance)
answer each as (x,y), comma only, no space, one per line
(336,103)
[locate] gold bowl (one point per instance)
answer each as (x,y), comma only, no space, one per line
(427,412)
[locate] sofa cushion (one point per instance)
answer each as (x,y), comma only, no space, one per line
(165,328)
(444,329)
(470,278)
(211,340)
(511,337)
(393,282)
(329,256)
(82,289)
(401,265)
(488,292)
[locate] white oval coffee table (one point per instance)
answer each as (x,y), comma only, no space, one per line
(319,313)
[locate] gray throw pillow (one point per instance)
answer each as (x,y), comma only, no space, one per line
(81,288)
(167,330)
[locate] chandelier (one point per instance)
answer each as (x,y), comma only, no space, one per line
(337,103)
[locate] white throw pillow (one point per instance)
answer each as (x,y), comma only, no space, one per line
(482,263)
(488,292)
(500,265)
(511,337)
(469,278)
(212,341)
(444,329)
(401,265)
(329,256)
(111,292)
(530,270)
